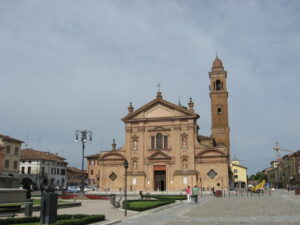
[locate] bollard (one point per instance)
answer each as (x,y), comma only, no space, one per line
(251,193)
(48,212)
(112,199)
(236,193)
(224,193)
(270,191)
(28,208)
(229,193)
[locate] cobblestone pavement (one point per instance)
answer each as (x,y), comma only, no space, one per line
(281,208)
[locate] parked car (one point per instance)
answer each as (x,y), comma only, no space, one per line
(73,189)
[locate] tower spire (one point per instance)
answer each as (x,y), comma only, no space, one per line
(219,104)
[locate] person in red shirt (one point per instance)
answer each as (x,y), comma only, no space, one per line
(188,194)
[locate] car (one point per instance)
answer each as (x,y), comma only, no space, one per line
(73,189)
(294,187)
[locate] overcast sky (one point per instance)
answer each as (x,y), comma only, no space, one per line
(68,65)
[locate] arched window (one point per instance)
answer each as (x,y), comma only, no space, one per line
(218,85)
(159,141)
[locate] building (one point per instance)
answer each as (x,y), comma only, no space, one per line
(93,169)
(164,148)
(74,176)
(285,171)
(9,155)
(239,173)
(37,167)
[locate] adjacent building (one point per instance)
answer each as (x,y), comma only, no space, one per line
(239,173)
(284,171)
(37,167)
(164,148)
(9,155)
(74,176)
(93,169)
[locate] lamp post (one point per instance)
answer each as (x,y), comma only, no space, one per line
(125,191)
(83,136)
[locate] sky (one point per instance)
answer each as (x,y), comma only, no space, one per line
(69,65)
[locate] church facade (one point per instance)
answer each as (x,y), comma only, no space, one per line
(164,149)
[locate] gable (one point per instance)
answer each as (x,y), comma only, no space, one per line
(159,108)
(159,111)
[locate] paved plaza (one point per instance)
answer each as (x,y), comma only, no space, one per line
(282,207)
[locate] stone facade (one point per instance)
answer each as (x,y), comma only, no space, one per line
(164,149)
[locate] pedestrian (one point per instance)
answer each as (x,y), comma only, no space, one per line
(188,194)
(141,194)
(195,193)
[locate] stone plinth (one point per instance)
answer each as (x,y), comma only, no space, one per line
(12,195)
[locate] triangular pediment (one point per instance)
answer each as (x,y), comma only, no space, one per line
(159,155)
(211,153)
(159,108)
(112,155)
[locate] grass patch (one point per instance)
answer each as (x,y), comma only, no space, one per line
(35,203)
(142,205)
(36,223)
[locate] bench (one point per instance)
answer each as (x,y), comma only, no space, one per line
(114,202)
(9,210)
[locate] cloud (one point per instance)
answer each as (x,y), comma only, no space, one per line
(68,65)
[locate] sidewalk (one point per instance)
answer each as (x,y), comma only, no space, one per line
(91,207)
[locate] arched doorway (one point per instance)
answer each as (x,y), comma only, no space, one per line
(236,184)
(26,183)
(159,177)
(243,185)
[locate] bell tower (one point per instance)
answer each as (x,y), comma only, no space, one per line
(219,105)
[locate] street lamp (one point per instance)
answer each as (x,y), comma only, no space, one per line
(83,136)
(125,191)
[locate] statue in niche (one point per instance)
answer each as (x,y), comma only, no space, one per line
(134,165)
(184,142)
(184,164)
(135,143)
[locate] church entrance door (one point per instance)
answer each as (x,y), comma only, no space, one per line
(159,177)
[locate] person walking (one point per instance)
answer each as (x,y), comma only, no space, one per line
(188,194)
(195,193)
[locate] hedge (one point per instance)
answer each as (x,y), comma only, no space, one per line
(82,221)
(168,197)
(143,208)
(78,219)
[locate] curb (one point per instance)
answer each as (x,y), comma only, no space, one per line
(107,222)
(37,208)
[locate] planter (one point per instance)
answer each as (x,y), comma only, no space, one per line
(67,196)
(97,197)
